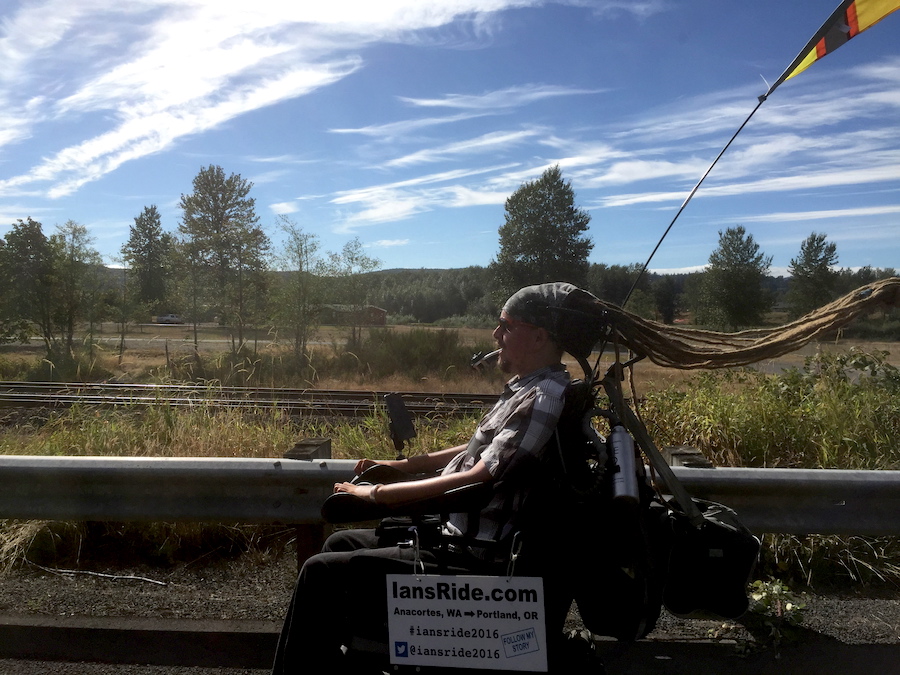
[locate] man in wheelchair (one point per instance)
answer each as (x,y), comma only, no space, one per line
(342,589)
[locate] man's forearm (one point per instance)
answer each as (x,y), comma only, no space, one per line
(409,491)
(432,461)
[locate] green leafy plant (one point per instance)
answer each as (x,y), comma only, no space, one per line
(774,599)
(775,610)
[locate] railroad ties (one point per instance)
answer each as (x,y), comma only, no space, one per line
(317,402)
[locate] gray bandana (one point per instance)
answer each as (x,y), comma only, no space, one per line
(534,304)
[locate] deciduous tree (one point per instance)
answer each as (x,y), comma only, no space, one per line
(543,236)
(148,256)
(220,227)
(349,285)
(298,295)
(78,283)
(733,295)
(54,284)
(26,271)
(813,277)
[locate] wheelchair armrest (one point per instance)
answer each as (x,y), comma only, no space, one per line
(342,507)
(381,473)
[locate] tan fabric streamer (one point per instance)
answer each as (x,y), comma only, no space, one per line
(687,348)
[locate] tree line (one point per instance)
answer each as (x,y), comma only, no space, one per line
(219,265)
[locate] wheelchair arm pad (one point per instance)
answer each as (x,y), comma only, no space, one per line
(342,507)
(381,473)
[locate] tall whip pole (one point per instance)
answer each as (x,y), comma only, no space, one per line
(849,19)
(688,199)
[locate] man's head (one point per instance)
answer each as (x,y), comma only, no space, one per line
(527,329)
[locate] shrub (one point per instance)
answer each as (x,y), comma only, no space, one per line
(837,411)
(416,353)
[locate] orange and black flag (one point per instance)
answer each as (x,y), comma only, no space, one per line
(850,19)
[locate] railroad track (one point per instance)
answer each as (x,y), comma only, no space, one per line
(325,402)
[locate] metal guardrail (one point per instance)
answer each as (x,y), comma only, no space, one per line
(290,491)
(168,489)
(790,501)
(803,501)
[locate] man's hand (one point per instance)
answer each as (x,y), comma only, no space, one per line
(364,464)
(361,491)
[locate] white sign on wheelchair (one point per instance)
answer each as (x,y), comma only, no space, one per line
(495,623)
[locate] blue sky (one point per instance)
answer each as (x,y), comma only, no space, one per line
(408,123)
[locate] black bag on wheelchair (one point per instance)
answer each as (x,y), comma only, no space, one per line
(614,555)
(625,562)
(709,564)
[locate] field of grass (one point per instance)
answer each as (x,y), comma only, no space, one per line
(831,405)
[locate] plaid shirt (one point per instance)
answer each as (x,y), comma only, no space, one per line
(508,440)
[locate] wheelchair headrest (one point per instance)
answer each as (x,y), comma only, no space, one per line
(580,323)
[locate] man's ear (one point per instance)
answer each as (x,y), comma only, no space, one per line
(541,338)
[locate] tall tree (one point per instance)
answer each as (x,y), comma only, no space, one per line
(78,266)
(148,256)
(220,226)
(542,238)
(298,296)
(55,282)
(350,287)
(26,272)
(813,277)
(732,291)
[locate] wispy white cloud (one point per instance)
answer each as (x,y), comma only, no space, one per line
(269,176)
(284,208)
(511,97)
(171,69)
(281,159)
(484,143)
(462,196)
(475,105)
(403,199)
(785,216)
(426,179)
(405,127)
(836,177)
(389,243)
(384,207)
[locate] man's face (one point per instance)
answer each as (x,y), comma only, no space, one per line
(516,341)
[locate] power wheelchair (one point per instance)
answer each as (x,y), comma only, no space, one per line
(594,533)
(585,546)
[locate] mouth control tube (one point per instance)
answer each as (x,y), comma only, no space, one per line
(482,360)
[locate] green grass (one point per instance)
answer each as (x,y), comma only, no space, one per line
(835,411)
(165,431)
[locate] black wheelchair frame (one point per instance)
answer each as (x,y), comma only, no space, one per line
(578,460)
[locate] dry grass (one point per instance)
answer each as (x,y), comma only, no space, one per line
(149,359)
(16,538)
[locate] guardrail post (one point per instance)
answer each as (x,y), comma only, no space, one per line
(685,455)
(309,537)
